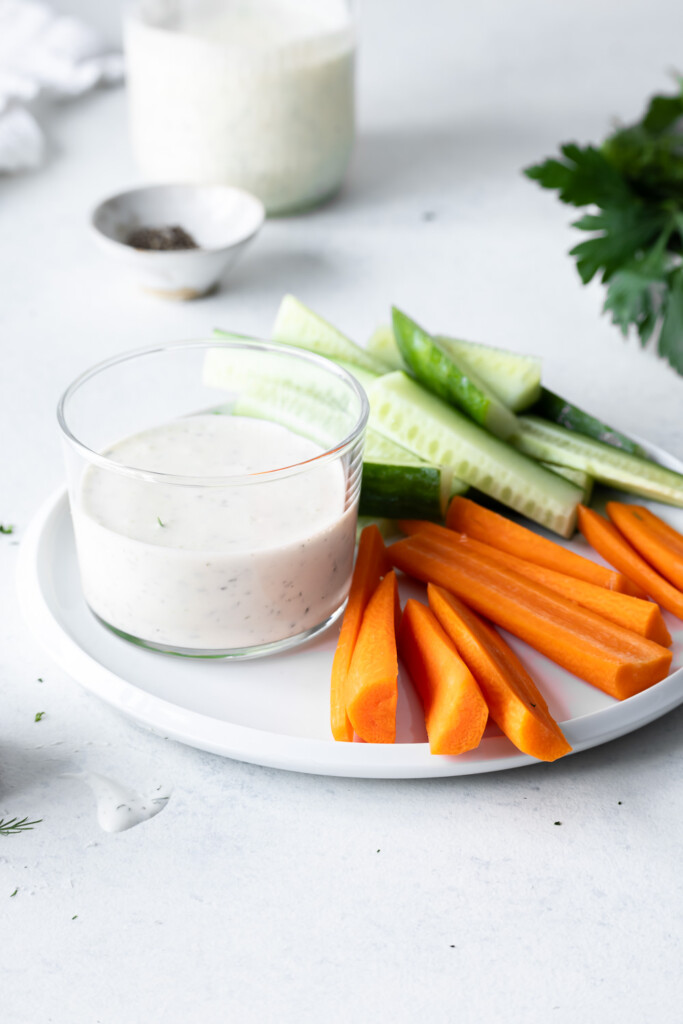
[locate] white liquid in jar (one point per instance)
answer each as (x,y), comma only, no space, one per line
(259,95)
(215,568)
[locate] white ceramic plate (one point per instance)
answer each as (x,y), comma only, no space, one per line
(274,711)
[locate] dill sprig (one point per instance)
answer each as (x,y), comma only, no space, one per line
(15,825)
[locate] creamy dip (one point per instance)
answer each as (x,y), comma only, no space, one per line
(259,95)
(215,568)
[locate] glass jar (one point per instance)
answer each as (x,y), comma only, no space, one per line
(253,93)
(214,494)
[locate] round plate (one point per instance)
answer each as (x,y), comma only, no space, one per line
(275,711)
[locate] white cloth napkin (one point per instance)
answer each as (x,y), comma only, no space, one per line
(43,55)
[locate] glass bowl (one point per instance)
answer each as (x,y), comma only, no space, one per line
(214,493)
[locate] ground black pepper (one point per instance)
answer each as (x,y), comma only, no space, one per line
(160,239)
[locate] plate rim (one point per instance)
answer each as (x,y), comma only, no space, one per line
(298,753)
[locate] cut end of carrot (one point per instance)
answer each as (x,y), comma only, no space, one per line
(371,564)
(372,683)
(606,539)
(658,543)
(514,701)
(455,709)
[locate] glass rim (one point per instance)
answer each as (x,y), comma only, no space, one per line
(229,480)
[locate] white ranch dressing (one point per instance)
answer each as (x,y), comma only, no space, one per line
(215,568)
(119,807)
(259,95)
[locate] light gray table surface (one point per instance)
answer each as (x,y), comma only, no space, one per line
(262,895)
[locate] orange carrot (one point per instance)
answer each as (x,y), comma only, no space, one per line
(455,710)
(657,542)
(467,517)
(372,682)
(514,702)
(608,542)
(370,565)
(610,657)
(634,613)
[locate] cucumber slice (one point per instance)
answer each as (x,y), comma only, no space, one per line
(362,375)
(297,403)
(552,407)
(404,492)
(408,414)
(552,443)
(577,476)
(382,344)
(400,484)
(514,378)
(379,448)
(441,374)
(298,325)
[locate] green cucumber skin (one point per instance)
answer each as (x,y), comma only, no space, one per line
(513,378)
(558,410)
(434,368)
(517,383)
(404,411)
(401,492)
(541,439)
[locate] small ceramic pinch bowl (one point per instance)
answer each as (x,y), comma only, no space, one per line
(221,220)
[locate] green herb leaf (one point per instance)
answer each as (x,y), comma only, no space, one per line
(662,113)
(635,295)
(624,233)
(15,825)
(160,522)
(633,187)
(670,344)
(39,716)
(6,529)
(583,177)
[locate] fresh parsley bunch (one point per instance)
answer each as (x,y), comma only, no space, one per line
(634,182)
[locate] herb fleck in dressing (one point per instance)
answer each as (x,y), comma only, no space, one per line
(215,567)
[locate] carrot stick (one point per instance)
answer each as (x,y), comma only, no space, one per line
(467,517)
(608,542)
(514,702)
(370,565)
(610,657)
(455,710)
(372,683)
(641,616)
(657,542)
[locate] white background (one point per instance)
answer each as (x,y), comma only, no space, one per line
(260,895)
